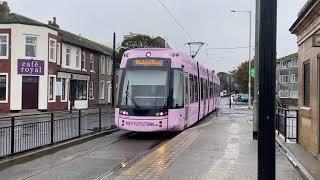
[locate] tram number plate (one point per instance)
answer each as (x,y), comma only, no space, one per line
(141,124)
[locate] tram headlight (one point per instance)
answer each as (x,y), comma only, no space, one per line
(125,113)
(161,114)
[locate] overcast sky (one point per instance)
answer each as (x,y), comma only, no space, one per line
(209,21)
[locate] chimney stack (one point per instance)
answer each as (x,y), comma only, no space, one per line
(53,23)
(4,11)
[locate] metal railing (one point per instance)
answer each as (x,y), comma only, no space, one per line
(287,123)
(27,132)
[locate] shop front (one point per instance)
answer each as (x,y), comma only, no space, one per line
(78,89)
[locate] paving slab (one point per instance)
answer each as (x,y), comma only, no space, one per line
(222,148)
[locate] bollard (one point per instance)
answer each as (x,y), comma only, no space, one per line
(79,121)
(100,119)
(12,135)
(52,124)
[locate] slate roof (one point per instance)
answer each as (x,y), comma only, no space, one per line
(68,37)
(289,57)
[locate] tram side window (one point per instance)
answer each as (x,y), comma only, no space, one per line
(191,88)
(178,88)
(210,94)
(201,90)
(196,89)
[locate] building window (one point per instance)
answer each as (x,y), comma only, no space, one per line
(91,94)
(52,50)
(83,61)
(294,78)
(294,63)
(109,91)
(294,94)
(68,56)
(78,58)
(3,88)
(91,63)
(306,84)
(63,89)
(31,46)
(284,79)
(109,68)
(52,88)
(4,46)
(81,90)
(283,93)
(102,90)
(103,65)
(58,53)
(284,65)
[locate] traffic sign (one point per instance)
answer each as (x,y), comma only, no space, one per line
(252,72)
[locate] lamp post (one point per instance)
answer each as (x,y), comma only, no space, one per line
(249,84)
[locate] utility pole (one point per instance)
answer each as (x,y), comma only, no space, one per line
(267,13)
(113,70)
(249,85)
(256,77)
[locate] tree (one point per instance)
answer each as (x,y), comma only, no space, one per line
(224,80)
(139,41)
(240,76)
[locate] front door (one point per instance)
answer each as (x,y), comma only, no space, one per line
(30,89)
(186,98)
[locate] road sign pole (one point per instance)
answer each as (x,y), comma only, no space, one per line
(267,13)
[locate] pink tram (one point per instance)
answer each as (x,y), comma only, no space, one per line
(163,90)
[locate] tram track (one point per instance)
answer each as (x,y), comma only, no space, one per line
(150,142)
(77,156)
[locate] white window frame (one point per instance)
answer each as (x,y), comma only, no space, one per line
(83,59)
(294,77)
(36,49)
(65,89)
(282,92)
(69,57)
(295,64)
(7,46)
(58,53)
(91,63)
(78,62)
(54,60)
(109,91)
(282,79)
(102,89)
(109,68)
(103,65)
(53,88)
(294,97)
(7,88)
(91,82)
(282,66)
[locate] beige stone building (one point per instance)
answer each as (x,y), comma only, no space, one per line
(307,30)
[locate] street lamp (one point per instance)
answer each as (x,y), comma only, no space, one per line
(249,84)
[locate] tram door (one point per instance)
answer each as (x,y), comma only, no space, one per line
(186,99)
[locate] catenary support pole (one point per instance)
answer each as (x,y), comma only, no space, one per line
(267,71)
(256,77)
(113,70)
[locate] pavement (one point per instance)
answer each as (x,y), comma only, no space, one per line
(299,156)
(220,148)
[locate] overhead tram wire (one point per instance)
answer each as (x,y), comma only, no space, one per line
(175,20)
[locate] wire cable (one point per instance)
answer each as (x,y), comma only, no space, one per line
(175,20)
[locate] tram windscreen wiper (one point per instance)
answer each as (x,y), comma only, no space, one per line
(128,96)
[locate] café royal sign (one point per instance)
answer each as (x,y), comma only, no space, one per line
(30,67)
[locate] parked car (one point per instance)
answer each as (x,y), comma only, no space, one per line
(243,98)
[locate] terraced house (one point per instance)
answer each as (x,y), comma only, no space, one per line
(45,68)
(287,80)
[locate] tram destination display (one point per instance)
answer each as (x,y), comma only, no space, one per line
(149,62)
